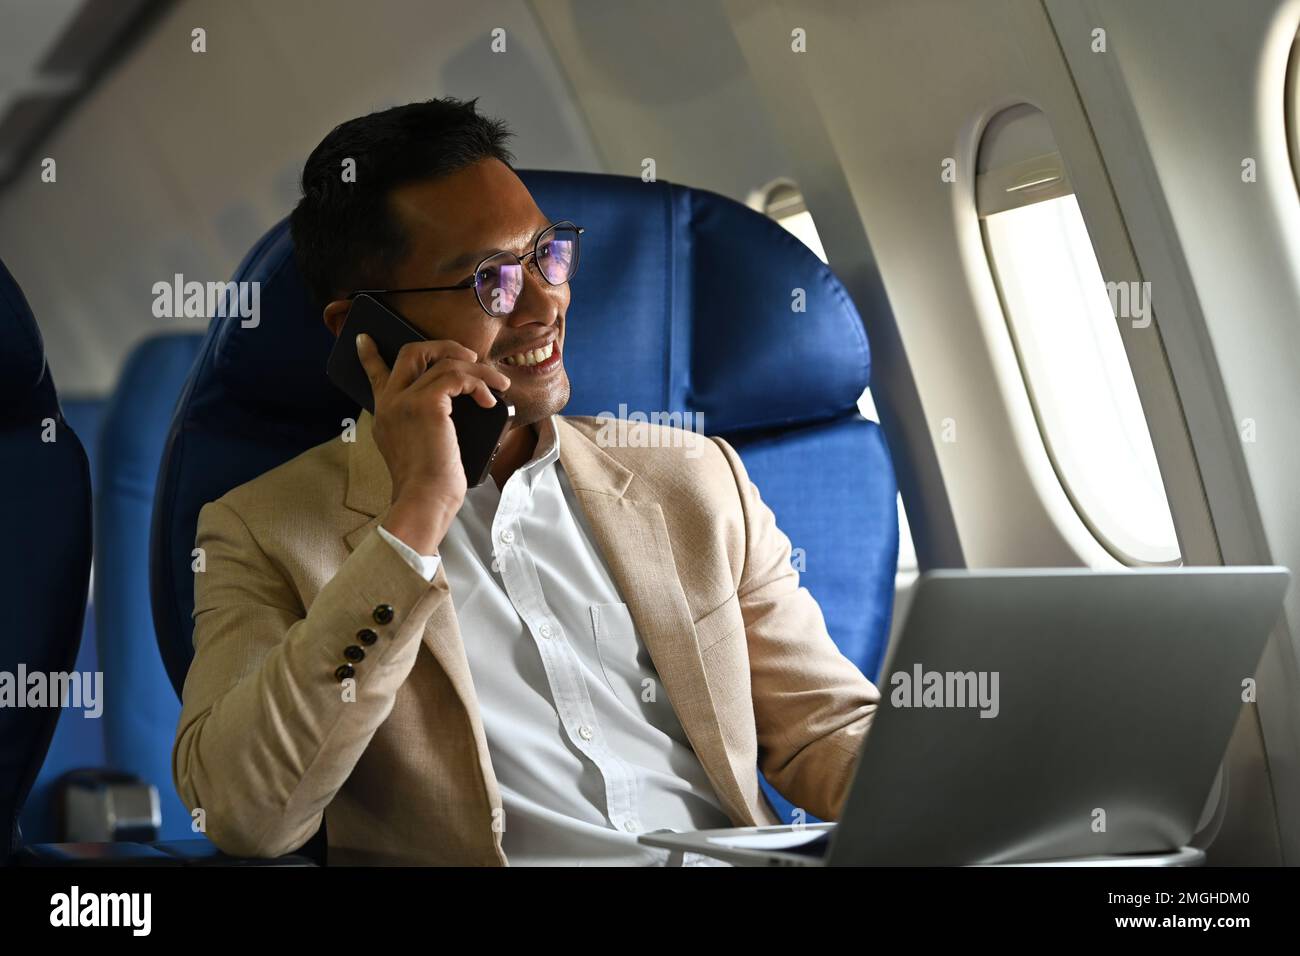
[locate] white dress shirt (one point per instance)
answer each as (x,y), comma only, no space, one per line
(586,747)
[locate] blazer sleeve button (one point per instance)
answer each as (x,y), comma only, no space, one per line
(345,671)
(354,653)
(366,636)
(383,613)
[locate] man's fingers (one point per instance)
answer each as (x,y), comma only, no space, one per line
(495,377)
(490,374)
(372,362)
(483,395)
(442,365)
(414,358)
(453,382)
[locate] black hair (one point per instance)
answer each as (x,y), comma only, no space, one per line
(345,236)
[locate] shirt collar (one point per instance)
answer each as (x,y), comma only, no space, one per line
(548,441)
(545,453)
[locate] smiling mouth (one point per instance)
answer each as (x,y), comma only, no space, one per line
(531,358)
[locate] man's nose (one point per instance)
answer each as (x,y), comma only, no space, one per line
(539,301)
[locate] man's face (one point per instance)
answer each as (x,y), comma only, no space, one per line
(454,222)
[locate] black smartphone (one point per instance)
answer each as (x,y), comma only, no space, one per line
(479,430)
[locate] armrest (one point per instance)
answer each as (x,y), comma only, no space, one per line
(93,854)
(103,805)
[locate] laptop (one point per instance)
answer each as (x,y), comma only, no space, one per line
(1039,715)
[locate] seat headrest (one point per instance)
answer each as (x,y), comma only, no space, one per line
(45,568)
(23,380)
(685,300)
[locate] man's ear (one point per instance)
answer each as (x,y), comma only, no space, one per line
(336,314)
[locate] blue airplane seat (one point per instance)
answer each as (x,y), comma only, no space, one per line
(142,710)
(78,741)
(45,510)
(685,302)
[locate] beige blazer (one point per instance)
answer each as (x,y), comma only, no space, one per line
(291,570)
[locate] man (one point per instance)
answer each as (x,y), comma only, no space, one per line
(602,640)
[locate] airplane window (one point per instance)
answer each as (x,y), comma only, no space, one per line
(782,200)
(1066,335)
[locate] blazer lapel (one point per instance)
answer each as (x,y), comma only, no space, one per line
(633,539)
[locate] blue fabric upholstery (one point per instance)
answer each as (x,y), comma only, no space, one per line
(141,709)
(685,301)
(845,541)
(45,510)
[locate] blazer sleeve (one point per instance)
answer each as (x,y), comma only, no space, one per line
(268,733)
(812,706)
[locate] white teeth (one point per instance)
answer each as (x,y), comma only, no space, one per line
(535,357)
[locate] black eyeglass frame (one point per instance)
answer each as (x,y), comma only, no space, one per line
(472,281)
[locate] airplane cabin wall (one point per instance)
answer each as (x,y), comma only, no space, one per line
(177,161)
(1194,88)
(885,92)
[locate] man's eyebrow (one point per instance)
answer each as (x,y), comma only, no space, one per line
(467,259)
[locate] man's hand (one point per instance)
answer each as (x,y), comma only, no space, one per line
(415,434)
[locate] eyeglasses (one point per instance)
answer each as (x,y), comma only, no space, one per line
(498,280)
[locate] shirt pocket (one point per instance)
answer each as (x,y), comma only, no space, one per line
(624,661)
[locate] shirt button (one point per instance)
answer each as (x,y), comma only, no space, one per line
(585,732)
(544,630)
(630,826)
(383,613)
(507,536)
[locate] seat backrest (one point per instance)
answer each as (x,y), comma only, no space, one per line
(685,302)
(45,510)
(78,741)
(140,708)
